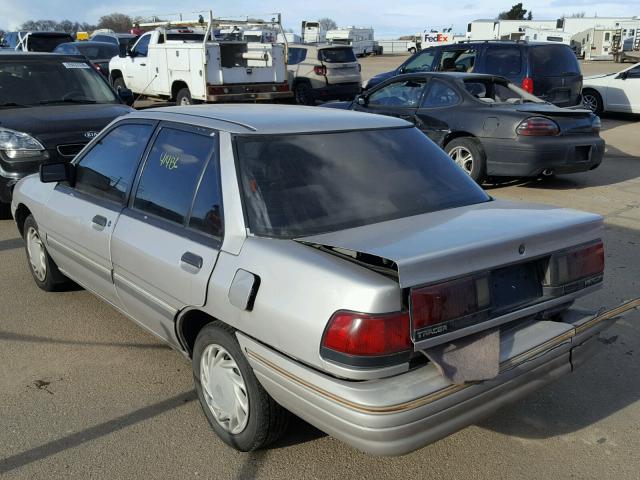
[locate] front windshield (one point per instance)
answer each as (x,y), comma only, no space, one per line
(492,91)
(306,184)
(47,82)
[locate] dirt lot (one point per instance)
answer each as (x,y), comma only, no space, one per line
(84,393)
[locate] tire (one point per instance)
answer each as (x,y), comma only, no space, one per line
(592,100)
(42,267)
(119,84)
(184,97)
(412,50)
(264,421)
(473,161)
(303,94)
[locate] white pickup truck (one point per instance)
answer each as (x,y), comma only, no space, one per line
(190,66)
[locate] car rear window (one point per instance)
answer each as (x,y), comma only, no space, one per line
(46,43)
(336,55)
(94,51)
(298,185)
(553,61)
(505,61)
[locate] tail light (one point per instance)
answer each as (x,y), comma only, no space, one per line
(97,67)
(574,269)
(596,125)
(527,84)
(538,127)
(464,301)
(320,70)
(362,339)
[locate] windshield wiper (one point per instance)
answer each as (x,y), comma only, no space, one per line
(13,104)
(67,100)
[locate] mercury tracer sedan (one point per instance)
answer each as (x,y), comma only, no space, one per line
(332,264)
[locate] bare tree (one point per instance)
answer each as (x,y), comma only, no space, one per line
(118,22)
(66,26)
(327,23)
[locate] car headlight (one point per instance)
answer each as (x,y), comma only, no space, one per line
(18,145)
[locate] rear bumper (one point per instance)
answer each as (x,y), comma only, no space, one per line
(248,93)
(530,156)
(397,415)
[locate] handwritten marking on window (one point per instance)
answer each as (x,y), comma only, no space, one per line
(170,162)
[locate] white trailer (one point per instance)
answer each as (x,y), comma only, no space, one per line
(184,62)
(313,32)
(546,36)
(359,39)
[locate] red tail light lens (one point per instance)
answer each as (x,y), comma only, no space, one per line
(457,299)
(577,264)
(538,127)
(362,334)
(97,67)
(320,70)
(527,84)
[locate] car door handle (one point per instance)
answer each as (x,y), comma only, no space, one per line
(143,64)
(192,259)
(99,220)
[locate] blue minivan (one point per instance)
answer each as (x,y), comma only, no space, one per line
(548,70)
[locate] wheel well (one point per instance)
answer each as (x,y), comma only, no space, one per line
(591,89)
(190,325)
(176,87)
(114,74)
(454,135)
(22,212)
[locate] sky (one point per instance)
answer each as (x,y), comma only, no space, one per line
(389,18)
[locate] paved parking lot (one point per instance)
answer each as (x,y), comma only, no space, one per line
(86,394)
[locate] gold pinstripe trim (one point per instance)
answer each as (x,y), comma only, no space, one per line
(451,389)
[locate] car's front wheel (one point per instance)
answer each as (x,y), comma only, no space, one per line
(469,155)
(592,100)
(42,267)
(238,408)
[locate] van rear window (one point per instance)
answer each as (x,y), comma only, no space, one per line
(336,55)
(553,61)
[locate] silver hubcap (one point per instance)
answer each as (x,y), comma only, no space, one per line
(185,101)
(590,102)
(224,389)
(37,255)
(462,157)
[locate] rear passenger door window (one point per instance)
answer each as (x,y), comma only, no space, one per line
(505,61)
(297,55)
(171,174)
(458,60)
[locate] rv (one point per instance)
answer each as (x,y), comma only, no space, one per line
(359,39)
(312,32)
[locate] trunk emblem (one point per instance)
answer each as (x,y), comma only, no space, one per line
(91,134)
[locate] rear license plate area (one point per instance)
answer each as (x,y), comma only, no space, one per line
(514,286)
(562,95)
(582,153)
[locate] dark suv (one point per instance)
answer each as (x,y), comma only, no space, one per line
(35,41)
(549,71)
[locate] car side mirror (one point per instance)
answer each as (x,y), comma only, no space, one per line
(126,96)
(623,75)
(362,100)
(131,52)
(55,172)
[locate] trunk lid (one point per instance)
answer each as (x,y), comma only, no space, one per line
(451,243)
(570,120)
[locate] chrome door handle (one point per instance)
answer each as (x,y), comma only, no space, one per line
(192,259)
(100,221)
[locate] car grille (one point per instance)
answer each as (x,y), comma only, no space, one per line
(70,150)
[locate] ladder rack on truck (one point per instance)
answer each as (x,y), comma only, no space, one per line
(187,62)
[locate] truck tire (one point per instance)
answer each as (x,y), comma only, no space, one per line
(412,50)
(119,84)
(237,407)
(42,267)
(303,94)
(184,97)
(469,155)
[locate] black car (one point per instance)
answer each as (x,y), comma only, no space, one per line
(121,40)
(549,71)
(50,107)
(99,53)
(35,41)
(488,125)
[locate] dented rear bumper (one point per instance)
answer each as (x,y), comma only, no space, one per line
(399,414)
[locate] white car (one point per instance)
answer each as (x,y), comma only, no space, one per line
(613,92)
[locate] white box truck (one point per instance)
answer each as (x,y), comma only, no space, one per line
(184,62)
(359,39)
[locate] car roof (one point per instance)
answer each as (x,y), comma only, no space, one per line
(34,56)
(270,118)
(90,42)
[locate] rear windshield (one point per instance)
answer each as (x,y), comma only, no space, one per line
(553,61)
(336,55)
(42,82)
(108,50)
(298,185)
(46,43)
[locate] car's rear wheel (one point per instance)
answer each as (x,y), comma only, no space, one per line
(303,94)
(592,100)
(184,97)
(119,84)
(42,267)
(412,50)
(469,155)
(238,408)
